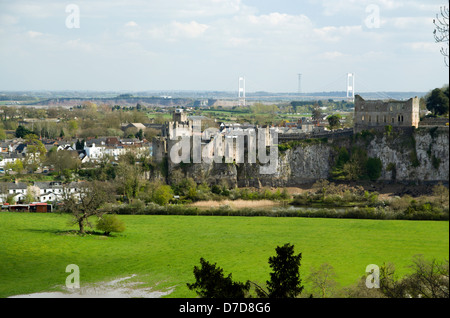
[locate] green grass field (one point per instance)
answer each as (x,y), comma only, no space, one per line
(36,248)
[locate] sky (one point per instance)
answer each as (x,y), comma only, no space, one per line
(206,45)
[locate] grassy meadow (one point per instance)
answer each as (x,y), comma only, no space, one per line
(162,250)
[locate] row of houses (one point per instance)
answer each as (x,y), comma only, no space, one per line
(93,150)
(52,191)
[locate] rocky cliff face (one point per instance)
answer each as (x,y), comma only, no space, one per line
(419,157)
(422,156)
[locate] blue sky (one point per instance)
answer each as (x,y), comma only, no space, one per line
(139,45)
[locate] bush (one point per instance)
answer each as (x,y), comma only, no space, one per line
(373,168)
(110,223)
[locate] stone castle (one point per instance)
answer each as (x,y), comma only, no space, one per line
(373,114)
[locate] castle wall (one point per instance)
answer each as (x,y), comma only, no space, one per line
(378,114)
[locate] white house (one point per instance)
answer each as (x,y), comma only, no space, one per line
(42,191)
(55,191)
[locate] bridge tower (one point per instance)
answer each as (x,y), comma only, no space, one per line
(241,92)
(351,87)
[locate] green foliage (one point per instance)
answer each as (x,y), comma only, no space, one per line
(162,195)
(22,131)
(210,282)
(388,129)
(373,168)
(437,101)
(285,281)
(110,223)
(16,166)
(334,121)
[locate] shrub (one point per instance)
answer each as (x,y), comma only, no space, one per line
(110,223)
(373,168)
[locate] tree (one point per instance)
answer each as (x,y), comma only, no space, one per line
(73,127)
(322,281)
(63,159)
(429,279)
(334,121)
(32,194)
(2,134)
(16,166)
(110,223)
(211,283)
(162,195)
(79,145)
(285,279)
(139,134)
(437,102)
(36,152)
(22,131)
(441,193)
(89,201)
(441,31)
(316,114)
(128,176)
(373,168)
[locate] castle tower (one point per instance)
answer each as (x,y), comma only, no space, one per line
(179,116)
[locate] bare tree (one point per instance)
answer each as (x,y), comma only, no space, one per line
(441,31)
(322,281)
(429,279)
(90,199)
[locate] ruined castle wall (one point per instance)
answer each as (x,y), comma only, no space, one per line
(378,114)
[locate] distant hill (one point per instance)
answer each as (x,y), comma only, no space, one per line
(174,98)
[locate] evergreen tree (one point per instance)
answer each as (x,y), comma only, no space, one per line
(285,279)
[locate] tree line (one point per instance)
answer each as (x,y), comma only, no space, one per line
(427,279)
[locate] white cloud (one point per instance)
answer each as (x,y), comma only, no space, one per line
(332,55)
(79,45)
(178,30)
(164,37)
(131,24)
(34,34)
(6,19)
(424,46)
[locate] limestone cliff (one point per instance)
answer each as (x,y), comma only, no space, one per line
(420,156)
